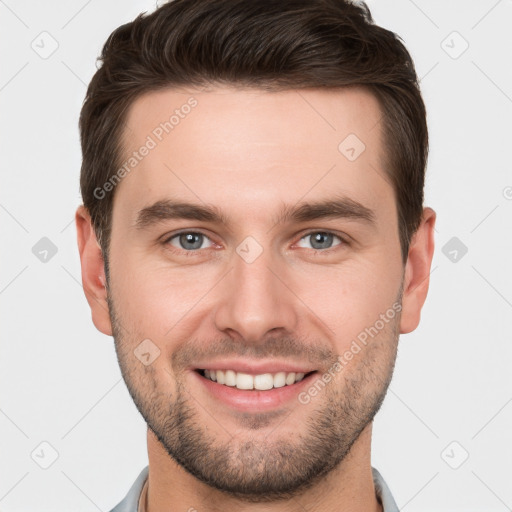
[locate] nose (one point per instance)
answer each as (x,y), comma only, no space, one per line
(257,298)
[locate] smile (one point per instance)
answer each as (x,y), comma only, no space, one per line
(246,381)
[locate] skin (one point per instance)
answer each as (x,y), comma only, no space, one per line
(248,152)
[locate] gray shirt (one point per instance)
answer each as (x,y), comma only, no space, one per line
(131,501)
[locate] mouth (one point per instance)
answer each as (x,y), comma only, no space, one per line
(255,393)
(248,382)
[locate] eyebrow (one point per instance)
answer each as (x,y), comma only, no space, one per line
(335,208)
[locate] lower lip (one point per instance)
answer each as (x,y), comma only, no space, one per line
(254,400)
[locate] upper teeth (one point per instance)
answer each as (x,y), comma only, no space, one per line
(246,381)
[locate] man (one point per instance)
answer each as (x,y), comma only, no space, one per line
(253,236)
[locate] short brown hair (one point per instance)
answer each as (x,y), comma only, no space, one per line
(289,44)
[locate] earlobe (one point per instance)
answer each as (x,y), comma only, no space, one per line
(93,271)
(417,272)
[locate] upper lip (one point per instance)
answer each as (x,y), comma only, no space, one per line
(255,367)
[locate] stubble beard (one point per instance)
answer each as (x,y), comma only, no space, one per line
(259,468)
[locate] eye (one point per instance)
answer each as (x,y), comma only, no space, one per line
(189,241)
(192,241)
(321,240)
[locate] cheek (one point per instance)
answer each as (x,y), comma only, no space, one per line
(351,298)
(152,298)
(347,297)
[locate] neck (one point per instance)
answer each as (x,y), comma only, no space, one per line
(348,487)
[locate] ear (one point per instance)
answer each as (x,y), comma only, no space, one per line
(93,271)
(417,272)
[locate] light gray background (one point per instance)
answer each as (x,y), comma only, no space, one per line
(60,380)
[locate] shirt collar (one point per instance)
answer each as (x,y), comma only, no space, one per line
(383,493)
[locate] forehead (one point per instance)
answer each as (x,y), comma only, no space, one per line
(253,147)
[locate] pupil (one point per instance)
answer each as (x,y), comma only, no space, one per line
(189,239)
(326,237)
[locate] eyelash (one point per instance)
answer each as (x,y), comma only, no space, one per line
(343,242)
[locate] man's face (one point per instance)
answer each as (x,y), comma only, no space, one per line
(260,292)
